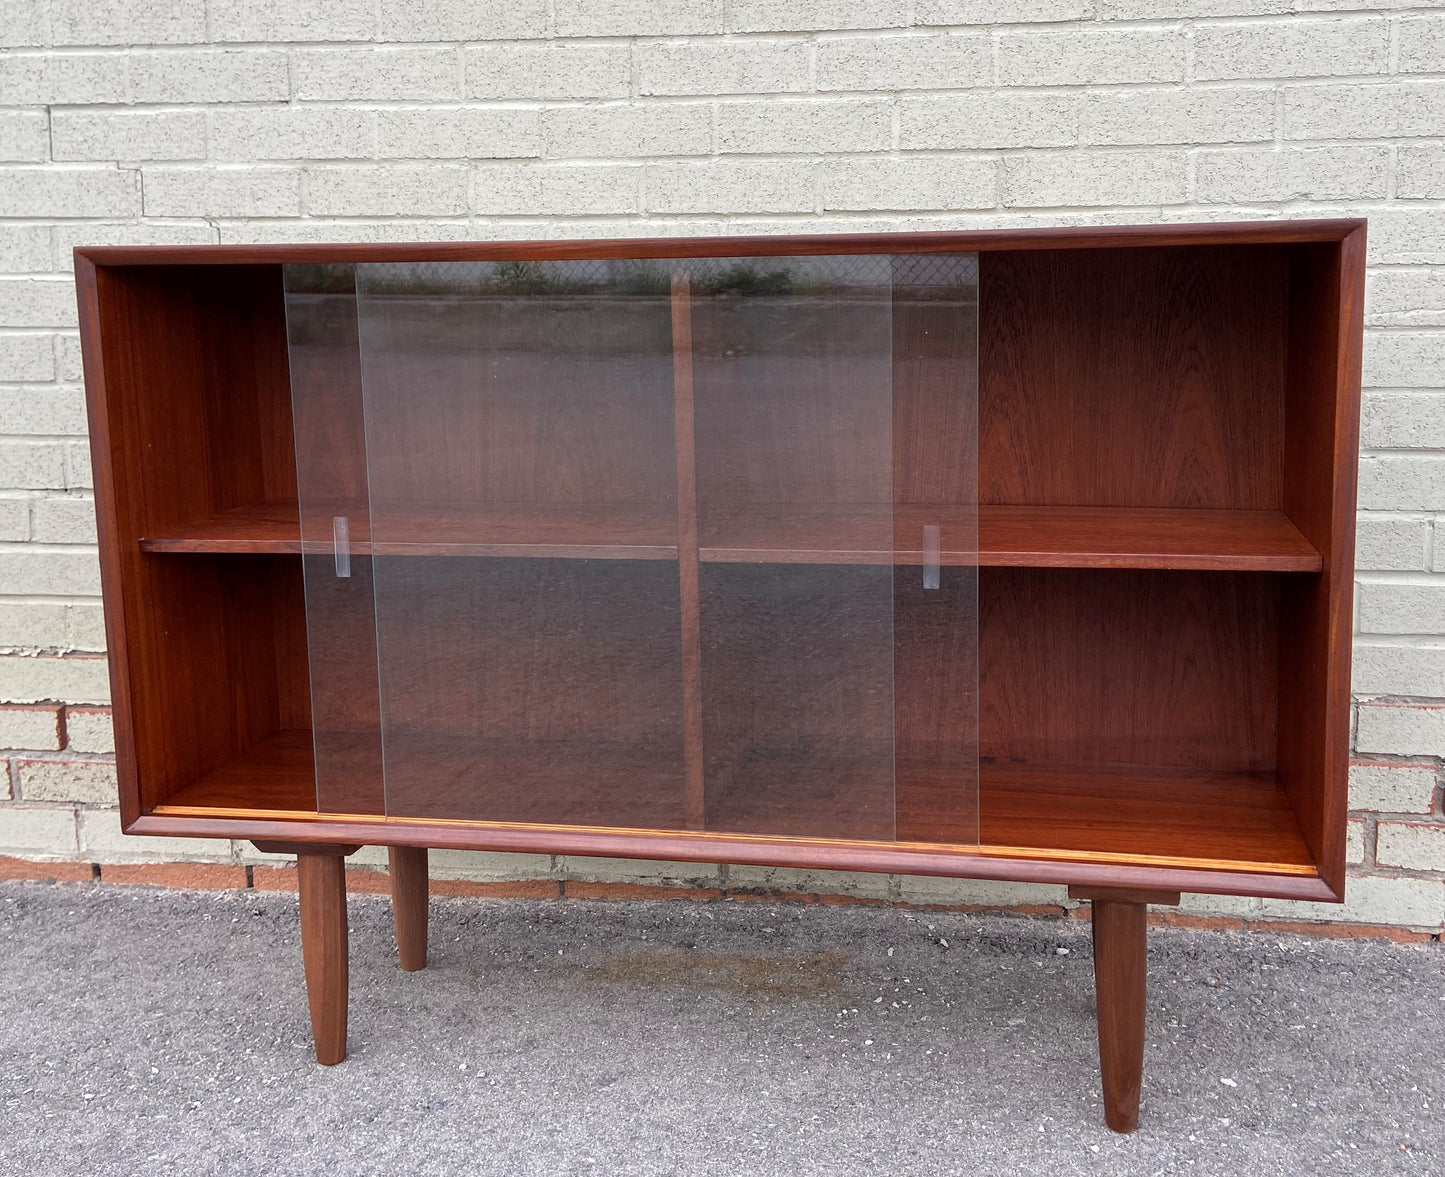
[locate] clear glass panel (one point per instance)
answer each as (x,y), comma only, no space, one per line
(682,544)
(524,522)
(331,479)
(935,407)
(792,377)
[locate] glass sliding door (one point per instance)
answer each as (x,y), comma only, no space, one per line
(684,544)
(331,478)
(936,539)
(523,492)
(792,371)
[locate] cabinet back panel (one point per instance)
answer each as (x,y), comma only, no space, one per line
(538,649)
(518,400)
(531,690)
(197,380)
(792,402)
(1133,378)
(325,396)
(935,411)
(214,662)
(1086,667)
(797,695)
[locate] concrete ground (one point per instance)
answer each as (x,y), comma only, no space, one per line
(164,1032)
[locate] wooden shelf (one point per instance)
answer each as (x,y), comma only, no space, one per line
(1011,536)
(594,532)
(1209,820)
(463,779)
(793,533)
(1006,536)
(268,528)
(278,773)
(1237,821)
(1142,537)
(1222,818)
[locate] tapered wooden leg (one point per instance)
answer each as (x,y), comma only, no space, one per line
(409,903)
(1120,920)
(1119,984)
(323,949)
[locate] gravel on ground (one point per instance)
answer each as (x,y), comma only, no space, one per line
(154,1032)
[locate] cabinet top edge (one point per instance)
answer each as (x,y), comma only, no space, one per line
(969,240)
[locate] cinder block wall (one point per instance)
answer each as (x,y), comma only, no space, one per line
(141,121)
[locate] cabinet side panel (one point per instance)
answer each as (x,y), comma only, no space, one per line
(87,282)
(198,657)
(1321,454)
(1132,378)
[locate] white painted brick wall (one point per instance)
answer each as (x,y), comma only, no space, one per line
(131,122)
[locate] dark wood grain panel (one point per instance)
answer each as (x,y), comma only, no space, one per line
(1123,667)
(272,526)
(537,780)
(107,453)
(285,590)
(1177,813)
(277,772)
(578,531)
(935,393)
(245,384)
(1132,817)
(1132,378)
(573,531)
(1013,536)
(1120,810)
(1215,878)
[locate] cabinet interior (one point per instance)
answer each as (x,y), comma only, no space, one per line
(1131,500)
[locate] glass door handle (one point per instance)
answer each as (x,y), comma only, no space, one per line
(341,544)
(932,555)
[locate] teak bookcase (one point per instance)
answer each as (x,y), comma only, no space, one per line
(1008,555)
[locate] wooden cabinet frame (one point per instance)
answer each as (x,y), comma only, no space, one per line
(1167,426)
